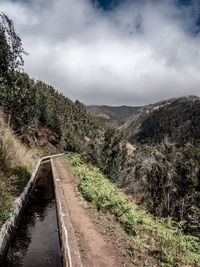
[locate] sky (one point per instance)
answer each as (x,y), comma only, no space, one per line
(117,52)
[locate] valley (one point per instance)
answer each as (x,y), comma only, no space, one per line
(135,166)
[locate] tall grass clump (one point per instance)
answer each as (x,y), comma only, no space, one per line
(161,239)
(16,164)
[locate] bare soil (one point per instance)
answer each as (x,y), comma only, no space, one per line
(102,241)
(95,250)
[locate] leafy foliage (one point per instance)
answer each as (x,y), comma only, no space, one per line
(166,181)
(160,169)
(163,170)
(16,164)
(11,49)
(172,247)
(179,122)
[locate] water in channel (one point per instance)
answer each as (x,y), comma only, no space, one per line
(36,242)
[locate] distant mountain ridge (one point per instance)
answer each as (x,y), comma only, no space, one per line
(155,160)
(167,119)
(174,120)
(122,116)
(113,115)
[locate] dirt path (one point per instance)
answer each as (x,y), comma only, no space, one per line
(95,251)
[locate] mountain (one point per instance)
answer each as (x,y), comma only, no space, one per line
(152,154)
(143,113)
(122,117)
(114,116)
(158,162)
(176,121)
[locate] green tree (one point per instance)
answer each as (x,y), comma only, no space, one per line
(11,49)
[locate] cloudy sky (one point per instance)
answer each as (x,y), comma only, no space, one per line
(111,52)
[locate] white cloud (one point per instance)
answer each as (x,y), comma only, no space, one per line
(136,54)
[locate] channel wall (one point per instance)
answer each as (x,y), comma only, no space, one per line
(69,248)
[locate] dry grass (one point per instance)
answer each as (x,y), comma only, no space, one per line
(16,165)
(12,151)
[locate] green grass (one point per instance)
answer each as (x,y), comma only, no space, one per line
(17,162)
(23,175)
(161,239)
(12,184)
(6,204)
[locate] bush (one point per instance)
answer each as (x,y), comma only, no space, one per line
(173,247)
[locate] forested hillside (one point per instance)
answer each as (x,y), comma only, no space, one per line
(31,106)
(178,123)
(157,159)
(166,172)
(160,167)
(114,116)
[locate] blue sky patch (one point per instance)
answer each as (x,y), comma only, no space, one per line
(107,4)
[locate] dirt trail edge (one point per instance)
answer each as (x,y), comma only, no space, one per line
(95,251)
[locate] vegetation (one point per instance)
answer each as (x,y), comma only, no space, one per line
(166,181)
(17,163)
(156,161)
(114,116)
(28,104)
(163,170)
(11,49)
(178,123)
(162,239)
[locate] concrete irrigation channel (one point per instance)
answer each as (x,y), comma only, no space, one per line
(39,231)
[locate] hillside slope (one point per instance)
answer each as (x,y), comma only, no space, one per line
(160,169)
(177,121)
(166,176)
(29,105)
(140,239)
(16,165)
(163,176)
(114,116)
